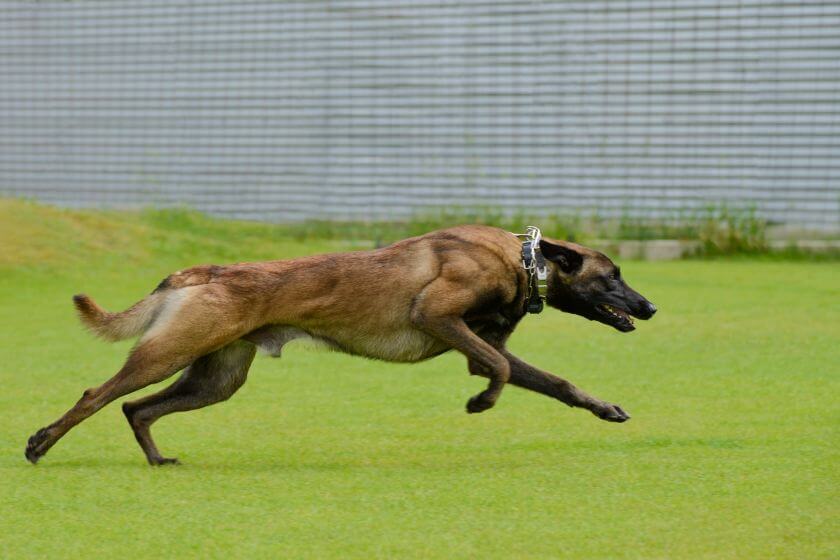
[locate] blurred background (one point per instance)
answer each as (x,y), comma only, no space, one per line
(383,110)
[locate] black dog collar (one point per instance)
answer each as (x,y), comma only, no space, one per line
(533,262)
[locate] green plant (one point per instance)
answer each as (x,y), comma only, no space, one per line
(726,231)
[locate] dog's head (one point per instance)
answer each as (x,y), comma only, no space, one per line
(587,283)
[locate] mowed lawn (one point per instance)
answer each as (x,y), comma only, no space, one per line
(731,451)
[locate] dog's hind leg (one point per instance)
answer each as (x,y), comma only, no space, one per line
(167,347)
(210,379)
(150,362)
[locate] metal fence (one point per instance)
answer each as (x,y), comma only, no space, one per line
(373,109)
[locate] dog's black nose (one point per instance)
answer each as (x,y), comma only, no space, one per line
(651,309)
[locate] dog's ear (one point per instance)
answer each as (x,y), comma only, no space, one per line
(566,258)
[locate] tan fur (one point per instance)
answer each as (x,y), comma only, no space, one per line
(118,326)
(462,288)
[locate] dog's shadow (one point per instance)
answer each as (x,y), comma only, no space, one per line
(195,465)
(511,455)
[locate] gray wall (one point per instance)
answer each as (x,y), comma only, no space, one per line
(372,109)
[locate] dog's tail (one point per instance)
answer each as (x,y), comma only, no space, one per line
(118,326)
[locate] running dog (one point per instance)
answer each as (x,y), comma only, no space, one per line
(464,288)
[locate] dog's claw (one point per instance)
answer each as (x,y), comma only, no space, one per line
(612,413)
(30,455)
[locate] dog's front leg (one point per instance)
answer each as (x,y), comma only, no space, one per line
(493,365)
(452,330)
(528,377)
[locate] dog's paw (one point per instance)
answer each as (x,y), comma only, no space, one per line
(35,447)
(479,403)
(611,413)
(158,461)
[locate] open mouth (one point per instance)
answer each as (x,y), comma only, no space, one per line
(616,317)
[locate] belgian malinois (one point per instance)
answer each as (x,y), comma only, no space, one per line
(463,288)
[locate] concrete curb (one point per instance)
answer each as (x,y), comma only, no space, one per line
(653,250)
(807,245)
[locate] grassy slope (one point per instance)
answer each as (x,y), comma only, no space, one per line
(731,452)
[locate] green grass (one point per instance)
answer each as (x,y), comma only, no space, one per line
(731,452)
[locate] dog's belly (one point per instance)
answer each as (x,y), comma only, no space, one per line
(395,345)
(399,345)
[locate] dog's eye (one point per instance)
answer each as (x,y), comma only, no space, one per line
(615,274)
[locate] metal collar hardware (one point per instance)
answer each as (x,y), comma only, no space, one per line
(534,264)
